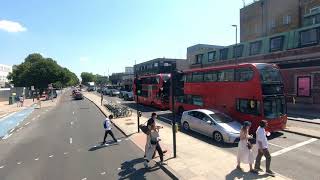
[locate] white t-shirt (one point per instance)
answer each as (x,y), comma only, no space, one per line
(261,136)
(107,124)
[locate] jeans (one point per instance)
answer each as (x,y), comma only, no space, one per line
(106,134)
(266,154)
(159,150)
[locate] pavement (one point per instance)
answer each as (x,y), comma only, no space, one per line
(195,159)
(6,109)
(304,112)
(63,142)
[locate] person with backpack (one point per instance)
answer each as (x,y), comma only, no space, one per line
(107,128)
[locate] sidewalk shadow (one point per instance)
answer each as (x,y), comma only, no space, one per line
(129,171)
(237,174)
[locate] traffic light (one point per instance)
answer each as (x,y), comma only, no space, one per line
(138,86)
(178,83)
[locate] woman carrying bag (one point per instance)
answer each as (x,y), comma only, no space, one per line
(245,154)
(154,139)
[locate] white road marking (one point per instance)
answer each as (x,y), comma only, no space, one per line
(20,128)
(70,140)
(19,162)
(65,153)
(47,110)
(27,123)
(33,119)
(103,173)
(276,145)
(11,131)
(71,123)
(51,156)
(7,136)
(293,147)
(4,115)
(36,159)
(1,167)
(73,112)
(84,179)
(38,116)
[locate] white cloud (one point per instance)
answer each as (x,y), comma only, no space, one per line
(84,59)
(11,26)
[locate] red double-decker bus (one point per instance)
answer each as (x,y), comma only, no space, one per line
(246,92)
(155,90)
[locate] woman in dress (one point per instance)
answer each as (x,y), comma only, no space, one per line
(245,154)
(154,139)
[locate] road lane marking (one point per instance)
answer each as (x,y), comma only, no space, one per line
(51,156)
(33,119)
(71,123)
(36,159)
(38,116)
(103,173)
(73,112)
(19,162)
(290,148)
(27,123)
(1,167)
(11,131)
(7,136)
(70,140)
(65,153)
(276,145)
(293,147)
(47,110)
(84,179)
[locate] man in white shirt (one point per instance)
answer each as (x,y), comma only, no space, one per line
(107,128)
(262,143)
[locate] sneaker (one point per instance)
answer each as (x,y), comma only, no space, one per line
(254,171)
(258,169)
(145,164)
(269,172)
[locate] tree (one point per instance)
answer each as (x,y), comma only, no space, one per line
(87,77)
(101,79)
(39,72)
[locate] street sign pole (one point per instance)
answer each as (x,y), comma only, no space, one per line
(137,100)
(174,129)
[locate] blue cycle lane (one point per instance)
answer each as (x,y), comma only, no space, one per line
(11,121)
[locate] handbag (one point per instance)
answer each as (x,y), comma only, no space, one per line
(144,128)
(249,145)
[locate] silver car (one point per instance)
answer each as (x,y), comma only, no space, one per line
(215,124)
(114,92)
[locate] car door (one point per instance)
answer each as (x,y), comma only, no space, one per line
(207,128)
(192,120)
(196,121)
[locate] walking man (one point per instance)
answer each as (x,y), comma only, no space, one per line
(262,143)
(101,98)
(107,128)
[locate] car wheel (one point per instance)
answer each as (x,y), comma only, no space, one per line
(186,126)
(217,136)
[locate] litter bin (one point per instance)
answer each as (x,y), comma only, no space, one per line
(11,100)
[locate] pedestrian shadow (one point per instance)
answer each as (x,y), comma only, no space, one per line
(99,146)
(238,174)
(129,171)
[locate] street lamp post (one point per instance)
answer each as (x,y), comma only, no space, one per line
(235,49)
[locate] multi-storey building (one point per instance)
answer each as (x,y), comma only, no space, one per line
(4,71)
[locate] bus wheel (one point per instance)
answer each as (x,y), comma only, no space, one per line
(218,137)
(186,126)
(180,110)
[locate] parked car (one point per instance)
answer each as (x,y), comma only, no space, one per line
(122,94)
(106,91)
(78,95)
(212,123)
(128,96)
(114,92)
(98,89)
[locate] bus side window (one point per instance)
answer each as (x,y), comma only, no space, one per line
(197,100)
(243,74)
(248,106)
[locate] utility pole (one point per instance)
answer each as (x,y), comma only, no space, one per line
(173,112)
(137,92)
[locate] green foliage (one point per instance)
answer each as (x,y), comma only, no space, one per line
(39,71)
(87,77)
(101,80)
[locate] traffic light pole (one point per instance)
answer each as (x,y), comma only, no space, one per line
(137,100)
(174,115)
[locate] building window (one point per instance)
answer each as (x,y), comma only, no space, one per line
(304,86)
(309,37)
(276,43)
(224,54)
(211,56)
(238,50)
(255,47)
(155,65)
(286,20)
(256,28)
(315,10)
(272,24)
(199,58)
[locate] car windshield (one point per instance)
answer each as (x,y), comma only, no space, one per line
(221,118)
(269,74)
(274,107)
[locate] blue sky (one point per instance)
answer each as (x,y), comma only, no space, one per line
(98,35)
